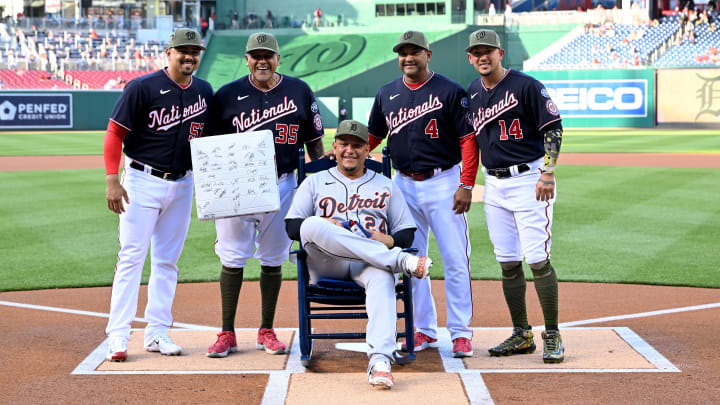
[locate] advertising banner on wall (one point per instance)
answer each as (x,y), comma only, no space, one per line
(602,98)
(688,96)
(38,110)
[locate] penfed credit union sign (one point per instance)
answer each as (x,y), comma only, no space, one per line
(19,111)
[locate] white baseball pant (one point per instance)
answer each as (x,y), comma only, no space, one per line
(334,252)
(519,225)
(431,203)
(159,214)
(238,237)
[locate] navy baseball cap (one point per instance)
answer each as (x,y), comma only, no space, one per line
(185,37)
(483,37)
(354,128)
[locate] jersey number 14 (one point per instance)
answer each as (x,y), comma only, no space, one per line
(515,130)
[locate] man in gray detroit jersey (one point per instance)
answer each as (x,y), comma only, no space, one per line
(349,192)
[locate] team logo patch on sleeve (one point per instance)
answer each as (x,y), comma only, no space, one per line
(464,102)
(314,107)
(544,93)
(317,122)
(552,108)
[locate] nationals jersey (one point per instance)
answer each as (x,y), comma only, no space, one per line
(424,125)
(161,117)
(372,200)
(508,119)
(288,110)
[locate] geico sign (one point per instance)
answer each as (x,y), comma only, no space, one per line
(597,98)
(627,98)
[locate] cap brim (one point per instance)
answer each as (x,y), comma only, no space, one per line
(397,47)
(360,138)
(263,48)
(473,46)
(199,46)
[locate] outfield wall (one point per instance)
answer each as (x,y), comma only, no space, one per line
(72,109)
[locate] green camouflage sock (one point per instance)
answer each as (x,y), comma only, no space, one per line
(546,286)
(270,281)
(230,283)
(513,283)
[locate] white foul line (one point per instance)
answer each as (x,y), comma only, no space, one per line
(639,315)
(98,314)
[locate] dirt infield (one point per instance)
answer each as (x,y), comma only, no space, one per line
(41,349)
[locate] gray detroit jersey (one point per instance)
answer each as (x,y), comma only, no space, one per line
(372,200)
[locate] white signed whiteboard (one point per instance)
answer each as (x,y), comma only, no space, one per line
(235,174)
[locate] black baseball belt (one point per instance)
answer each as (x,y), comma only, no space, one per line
(420,176)
(505,172)
(172,176)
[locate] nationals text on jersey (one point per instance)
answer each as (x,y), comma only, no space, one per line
(407,115)
(256,119)
(485,115)
(164,121)
(329,205)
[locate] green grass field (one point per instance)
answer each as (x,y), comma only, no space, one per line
(612,224)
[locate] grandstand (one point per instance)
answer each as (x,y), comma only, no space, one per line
(344,54)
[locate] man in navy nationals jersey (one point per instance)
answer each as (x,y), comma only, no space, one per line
(155,117)
(519,133)
(264,99)
(425,117)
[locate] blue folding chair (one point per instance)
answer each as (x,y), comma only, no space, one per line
(342,299)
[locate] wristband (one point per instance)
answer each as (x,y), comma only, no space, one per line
(466,187)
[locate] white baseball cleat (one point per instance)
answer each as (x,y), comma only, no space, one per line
(117,348)
(417,266)
(163,344)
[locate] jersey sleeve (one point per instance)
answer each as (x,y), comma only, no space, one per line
(302,205)
(461,114)
(313,127)
(377,126)
(399,216)
(127,107)
(213,123)
(545,110)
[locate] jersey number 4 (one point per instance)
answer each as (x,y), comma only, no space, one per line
(515,130)
(431,128)
(286,133)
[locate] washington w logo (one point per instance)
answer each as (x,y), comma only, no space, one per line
(407,35)
(353,127)
(190,35)
(322,56)
(480,35)
(261,38)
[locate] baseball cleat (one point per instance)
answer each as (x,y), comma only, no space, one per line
(163,344)
(418,266)
(117,348)
(462,347)
(422,342)
(521,342)
(553,349)
(268,341)
(379,375)
(225,344)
